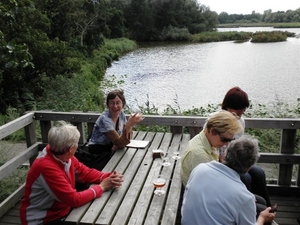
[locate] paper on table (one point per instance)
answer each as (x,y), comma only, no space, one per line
(137,144)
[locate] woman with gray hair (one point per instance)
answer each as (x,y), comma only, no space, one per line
(50,185)
(215,193)
(242,155)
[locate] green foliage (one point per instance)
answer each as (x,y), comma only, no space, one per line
(221,36)
(10,183)
(175,34)
(83,92)
(12,114)
(119,46)
(272,36)
(149,20)
(13,181)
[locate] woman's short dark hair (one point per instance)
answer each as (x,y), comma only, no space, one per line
(118,92)
(236,99)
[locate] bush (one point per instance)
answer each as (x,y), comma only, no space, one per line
(221,36)
(272,36)
(175,34)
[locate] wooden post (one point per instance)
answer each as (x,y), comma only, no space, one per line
(287,145)
(30,135)
(45,127)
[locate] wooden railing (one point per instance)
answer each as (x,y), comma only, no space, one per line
(286,158)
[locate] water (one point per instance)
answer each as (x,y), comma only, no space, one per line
(195,75)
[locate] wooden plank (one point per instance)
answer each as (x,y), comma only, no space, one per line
(91,215)
(188,121)
(16,125)
(138,177)
(80,128)
(45,127)
(77,213)
(126,166)
(273,123)
(158,202)
(141,206)
(283,190)
(288,142)
(10,220)
(9,202)
(193,131)
(18,160)
(279,158)
(172,204)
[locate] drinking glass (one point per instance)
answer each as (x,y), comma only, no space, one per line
(164,155)
(134,109)
(176,155)
(158,184)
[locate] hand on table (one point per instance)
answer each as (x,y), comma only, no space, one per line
(115,180)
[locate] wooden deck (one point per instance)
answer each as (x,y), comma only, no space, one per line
(288,211)
(285,191)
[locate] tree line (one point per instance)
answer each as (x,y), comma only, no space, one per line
(43,39)
(267,17)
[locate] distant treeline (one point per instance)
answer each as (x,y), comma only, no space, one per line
(267,17)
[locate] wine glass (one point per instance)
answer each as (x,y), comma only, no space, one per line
(158,184)
(134,109)
(176,155)
(164,155)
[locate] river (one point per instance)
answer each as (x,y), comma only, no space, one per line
(197,74)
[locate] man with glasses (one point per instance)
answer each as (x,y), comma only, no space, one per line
(220,130)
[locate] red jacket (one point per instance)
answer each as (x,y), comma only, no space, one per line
(50,188)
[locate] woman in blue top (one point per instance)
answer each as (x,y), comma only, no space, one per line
(112,131)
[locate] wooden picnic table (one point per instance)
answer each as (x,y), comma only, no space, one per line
(134,202)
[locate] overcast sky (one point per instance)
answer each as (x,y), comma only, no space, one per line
(246,7)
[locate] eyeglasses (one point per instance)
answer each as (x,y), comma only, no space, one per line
(224,140)
(114,103)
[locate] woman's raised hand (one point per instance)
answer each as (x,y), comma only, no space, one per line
(135,118)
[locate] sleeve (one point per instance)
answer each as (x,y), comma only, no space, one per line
(86,174)
(106,124)
(120,141)
(61,189)
(244,216)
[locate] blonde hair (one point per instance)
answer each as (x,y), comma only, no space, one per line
(224,121)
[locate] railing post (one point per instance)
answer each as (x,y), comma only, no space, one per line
(30,135)
(194,131)
(176,129)
(80,128)
(45,127)
(287,146)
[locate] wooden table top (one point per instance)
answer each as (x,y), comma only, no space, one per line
(134,202)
